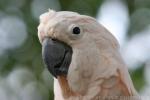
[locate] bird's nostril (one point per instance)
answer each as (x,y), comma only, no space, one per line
(54,39)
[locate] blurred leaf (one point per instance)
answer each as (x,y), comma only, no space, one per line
(9,65)
(88,7)
(130,5)
(3,3)
(142,4)
(138,77)
(139,21)
(51,96)
(3,61)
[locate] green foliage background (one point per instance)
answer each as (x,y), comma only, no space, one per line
(29,53)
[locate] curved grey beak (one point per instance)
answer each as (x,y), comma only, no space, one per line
(57,56)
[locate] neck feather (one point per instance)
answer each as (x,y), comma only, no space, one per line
(65,89)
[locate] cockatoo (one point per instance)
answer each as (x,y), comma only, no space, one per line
(83,57)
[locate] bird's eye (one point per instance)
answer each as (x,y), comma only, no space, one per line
(76,30)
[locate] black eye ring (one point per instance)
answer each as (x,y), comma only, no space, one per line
(76,30)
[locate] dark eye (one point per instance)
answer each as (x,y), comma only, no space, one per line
(76,30)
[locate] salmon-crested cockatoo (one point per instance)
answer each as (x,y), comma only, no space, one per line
(83,57)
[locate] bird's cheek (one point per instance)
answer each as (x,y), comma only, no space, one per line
(76,80)
(73,73)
